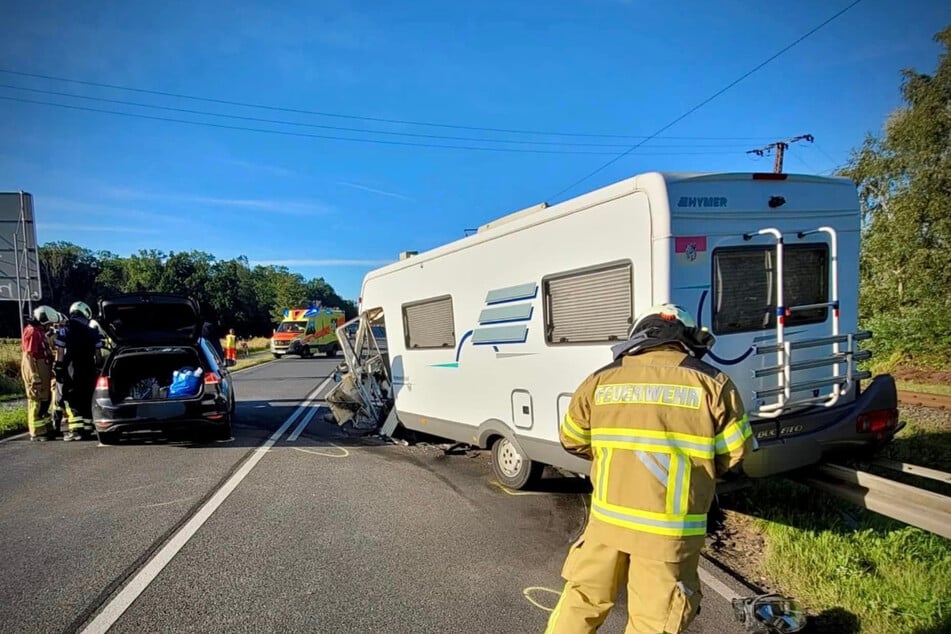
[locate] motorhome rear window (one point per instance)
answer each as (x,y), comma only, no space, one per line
(589,306)
(744,286)
(429,324)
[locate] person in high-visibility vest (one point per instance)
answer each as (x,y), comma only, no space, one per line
(231,348)
(660,426)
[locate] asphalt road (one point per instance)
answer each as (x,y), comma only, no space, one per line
(320,533)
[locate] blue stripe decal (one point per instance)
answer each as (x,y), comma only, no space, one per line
(653,467)
(512,293)
(503,314)
(462,341)
(501,334)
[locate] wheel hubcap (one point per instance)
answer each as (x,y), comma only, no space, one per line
(510,461)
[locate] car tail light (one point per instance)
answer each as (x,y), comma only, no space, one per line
(877,421)
(211,378)
(768,176)
(102,383)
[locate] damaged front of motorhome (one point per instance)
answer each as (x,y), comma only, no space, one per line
(486,338)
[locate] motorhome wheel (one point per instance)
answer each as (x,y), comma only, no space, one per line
(513,469)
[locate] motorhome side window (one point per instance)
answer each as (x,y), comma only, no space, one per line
(589,306)
(429,324)
(744,286)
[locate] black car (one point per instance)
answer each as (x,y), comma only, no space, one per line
(154,335)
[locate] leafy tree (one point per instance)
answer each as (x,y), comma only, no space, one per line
(68,274)
(904,181)
(249,300)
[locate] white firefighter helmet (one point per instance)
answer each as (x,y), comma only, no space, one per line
(45,315)
(668,312)
(80,308)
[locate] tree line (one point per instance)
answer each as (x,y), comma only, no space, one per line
(237,295)
(904,183)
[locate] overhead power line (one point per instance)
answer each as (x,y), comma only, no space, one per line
(707,100)
(432,124)
(331,137)
(337,128)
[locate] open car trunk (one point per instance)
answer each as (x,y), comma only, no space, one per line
(144,374)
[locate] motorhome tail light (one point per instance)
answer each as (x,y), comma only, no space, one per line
(102,383)
(211,378)
(877,421)
(768,176)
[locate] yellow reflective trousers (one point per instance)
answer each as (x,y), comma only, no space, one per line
(662,596)
(36,375)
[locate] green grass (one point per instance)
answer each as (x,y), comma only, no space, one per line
(12,421)
(256,358)
(831,556)
(10,382)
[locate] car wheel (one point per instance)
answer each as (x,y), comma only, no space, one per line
(222,431)
(513,469)
(108,437)
(276,355)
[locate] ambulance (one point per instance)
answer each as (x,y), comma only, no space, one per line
(307,331)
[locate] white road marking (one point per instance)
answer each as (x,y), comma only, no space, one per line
(121,602)
(323,453)
(716,585)
(527,593)
(310,416)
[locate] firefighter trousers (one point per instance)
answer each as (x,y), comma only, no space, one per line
(36,379)
(662,596)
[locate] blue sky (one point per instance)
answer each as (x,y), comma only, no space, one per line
(336,208)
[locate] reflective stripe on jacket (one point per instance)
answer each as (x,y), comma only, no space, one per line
(660,427)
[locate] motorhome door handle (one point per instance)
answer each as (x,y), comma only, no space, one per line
(525,409)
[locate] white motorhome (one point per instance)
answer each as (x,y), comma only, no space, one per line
(489,336)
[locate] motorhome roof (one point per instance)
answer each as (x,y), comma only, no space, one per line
(648,181)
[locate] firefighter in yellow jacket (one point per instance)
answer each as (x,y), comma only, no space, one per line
(36,371)
(660,426)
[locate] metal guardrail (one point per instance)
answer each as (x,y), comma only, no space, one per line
(917,507)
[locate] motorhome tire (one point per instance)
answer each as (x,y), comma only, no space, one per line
(511,467)
(331,352)
(276,355)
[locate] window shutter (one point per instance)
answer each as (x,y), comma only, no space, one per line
(429,324)
(590,307)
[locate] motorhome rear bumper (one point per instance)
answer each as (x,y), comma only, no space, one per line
(803,439)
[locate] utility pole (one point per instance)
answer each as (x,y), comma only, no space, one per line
(780,147)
